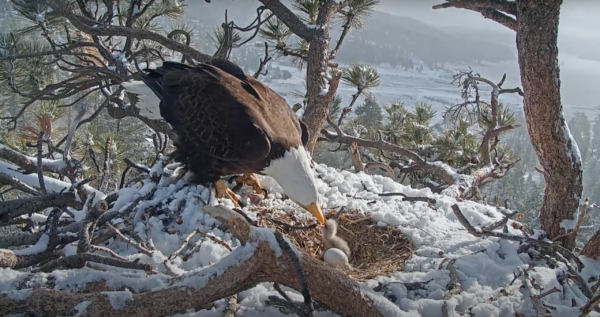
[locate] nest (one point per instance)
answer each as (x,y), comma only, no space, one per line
(375,250)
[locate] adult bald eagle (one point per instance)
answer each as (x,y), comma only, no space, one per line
(229,123)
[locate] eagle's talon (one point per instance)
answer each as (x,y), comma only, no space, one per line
(266,193)
(251,180)
(223,191)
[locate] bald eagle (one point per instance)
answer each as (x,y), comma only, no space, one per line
(228,123)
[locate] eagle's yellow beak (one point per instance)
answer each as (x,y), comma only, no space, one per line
(315,210)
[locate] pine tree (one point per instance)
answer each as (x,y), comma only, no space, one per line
(369,113)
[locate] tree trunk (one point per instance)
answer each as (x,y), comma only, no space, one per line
(316,112)
(537,33)
(592,247)
(317,107)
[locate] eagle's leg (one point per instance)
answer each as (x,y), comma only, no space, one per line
(251,180)
(223,191)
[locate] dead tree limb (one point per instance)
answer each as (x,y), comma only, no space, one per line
(14,208)
(259,259)
(469,81)
(498,11)
(459,184)
(29,164)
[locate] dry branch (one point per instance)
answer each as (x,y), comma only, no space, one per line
(128,240)
(18,184)
(29,164)
(15,208)
(497,10)
(590,305)
(256,261)
(460,184)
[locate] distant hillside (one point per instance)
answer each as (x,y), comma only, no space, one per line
(384,39)
(387,36)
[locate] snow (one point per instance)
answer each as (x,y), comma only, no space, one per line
(409,87)
(18,294)
(199,278)
(81,308)
(118,300)
(54,164)
(40,18)
(485,266)
(39,247)
(268,235)
(575,155)
(52,184)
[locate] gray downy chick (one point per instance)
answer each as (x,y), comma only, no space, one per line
(329,231)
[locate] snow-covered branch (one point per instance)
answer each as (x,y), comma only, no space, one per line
(52,185)
(259,259)
(29,164)
(459,184)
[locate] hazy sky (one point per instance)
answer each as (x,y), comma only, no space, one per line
(578,17)
(578,40)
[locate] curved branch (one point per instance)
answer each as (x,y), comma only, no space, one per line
(497,10)
(93,28)
(257,260)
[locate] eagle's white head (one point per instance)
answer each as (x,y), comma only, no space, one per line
(293,173)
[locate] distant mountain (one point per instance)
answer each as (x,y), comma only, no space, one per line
(398,35)
(385,38)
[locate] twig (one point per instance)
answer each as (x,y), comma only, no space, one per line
(231,307)
(17,207)
(407,198)
(590,305)
(71,133)
(94,213)
(215,239)
(18,184)
(184,243)
(535,298)
(291,227)
(554,247)
(263,62)
(240,212)
(107,153)
(281,292)
(453,286)
(107,250)
(40,152)
(307,309)
(78,260)
(129,241)
(579,221)
(131,164)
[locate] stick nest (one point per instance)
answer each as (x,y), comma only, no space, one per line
(375,250)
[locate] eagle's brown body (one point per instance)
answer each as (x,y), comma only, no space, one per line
(226,122)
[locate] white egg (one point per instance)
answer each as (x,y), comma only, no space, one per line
(336,257)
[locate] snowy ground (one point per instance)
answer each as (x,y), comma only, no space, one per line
(432,87)
(485,265)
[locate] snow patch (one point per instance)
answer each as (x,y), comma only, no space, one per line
(118,299)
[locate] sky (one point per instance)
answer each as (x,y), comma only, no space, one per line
(578,17)
(578,40)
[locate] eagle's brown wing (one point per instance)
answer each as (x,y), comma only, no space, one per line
(208,109)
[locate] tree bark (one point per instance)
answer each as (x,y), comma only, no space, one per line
(318,57)
(537,33)
(256,261)
(592,247)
